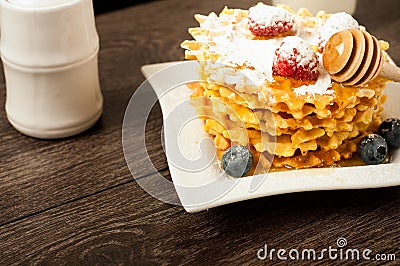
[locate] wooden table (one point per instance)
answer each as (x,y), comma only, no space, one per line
(74,201)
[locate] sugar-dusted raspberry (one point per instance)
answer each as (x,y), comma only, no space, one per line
(295,58)
(265,20)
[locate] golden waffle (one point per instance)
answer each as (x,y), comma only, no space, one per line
(303,147)
(300,130)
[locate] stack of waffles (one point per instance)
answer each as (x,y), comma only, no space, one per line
(293,119)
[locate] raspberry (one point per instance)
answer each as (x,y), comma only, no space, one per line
(265,20)
(295,58)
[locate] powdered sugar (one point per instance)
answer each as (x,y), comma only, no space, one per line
(256,54)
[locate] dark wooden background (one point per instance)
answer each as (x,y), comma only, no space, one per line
(103,6)
(74,201)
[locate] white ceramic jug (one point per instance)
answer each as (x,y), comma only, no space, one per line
(49,50)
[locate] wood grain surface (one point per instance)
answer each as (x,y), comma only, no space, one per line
(75,202)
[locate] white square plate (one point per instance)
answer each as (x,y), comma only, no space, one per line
(205,186)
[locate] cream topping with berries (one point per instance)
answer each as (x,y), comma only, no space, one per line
(236,46)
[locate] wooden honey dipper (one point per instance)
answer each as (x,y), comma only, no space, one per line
(353,57)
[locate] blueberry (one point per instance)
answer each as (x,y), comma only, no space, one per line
(373,149)
(237,161)
(390,131)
